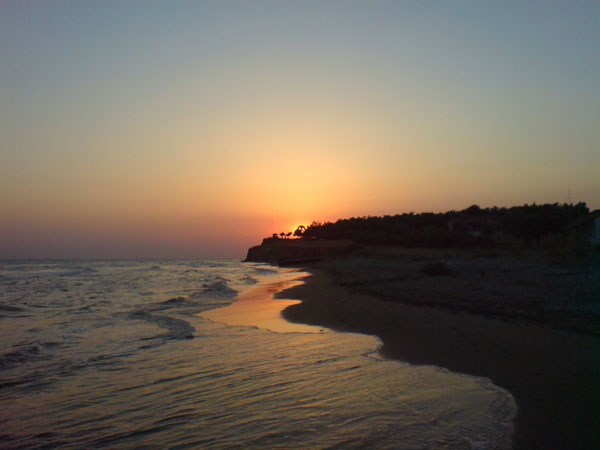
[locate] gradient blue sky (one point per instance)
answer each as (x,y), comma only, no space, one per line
(192,129)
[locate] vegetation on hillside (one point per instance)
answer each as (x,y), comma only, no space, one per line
(471,227)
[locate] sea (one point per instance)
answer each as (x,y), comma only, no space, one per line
(117,354)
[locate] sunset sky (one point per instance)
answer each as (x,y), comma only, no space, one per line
(194,129)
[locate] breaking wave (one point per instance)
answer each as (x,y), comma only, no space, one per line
(215,289)
(176,328)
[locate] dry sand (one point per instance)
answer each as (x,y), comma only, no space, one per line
(553,374)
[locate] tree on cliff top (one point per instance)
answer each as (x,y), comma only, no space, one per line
(299,231)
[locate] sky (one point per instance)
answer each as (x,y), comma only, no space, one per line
(146,129)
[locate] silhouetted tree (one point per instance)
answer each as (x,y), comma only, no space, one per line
(299,231)
(473,209)
(528,222)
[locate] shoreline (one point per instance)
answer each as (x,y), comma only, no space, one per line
(552,374)
(255,307)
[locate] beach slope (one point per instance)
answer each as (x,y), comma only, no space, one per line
(529,327)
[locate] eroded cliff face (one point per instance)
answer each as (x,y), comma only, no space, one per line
(262,253)
(296,251)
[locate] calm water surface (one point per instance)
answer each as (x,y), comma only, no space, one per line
(111,354)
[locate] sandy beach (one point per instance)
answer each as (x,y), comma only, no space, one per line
(487,319)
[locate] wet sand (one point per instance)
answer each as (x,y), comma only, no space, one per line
(553,374)
(257,308)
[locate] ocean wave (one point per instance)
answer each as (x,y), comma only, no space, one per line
(24,273)
(76,271)
(174,301)
(10,308)
(248,280)
(30,351)
(215,289)
(264,270)
(214,264)
(176,328)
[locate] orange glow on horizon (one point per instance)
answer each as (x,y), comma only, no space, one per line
(235,136)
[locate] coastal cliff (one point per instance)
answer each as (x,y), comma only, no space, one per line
(298,251)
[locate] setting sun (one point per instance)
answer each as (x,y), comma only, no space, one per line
(440,158)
